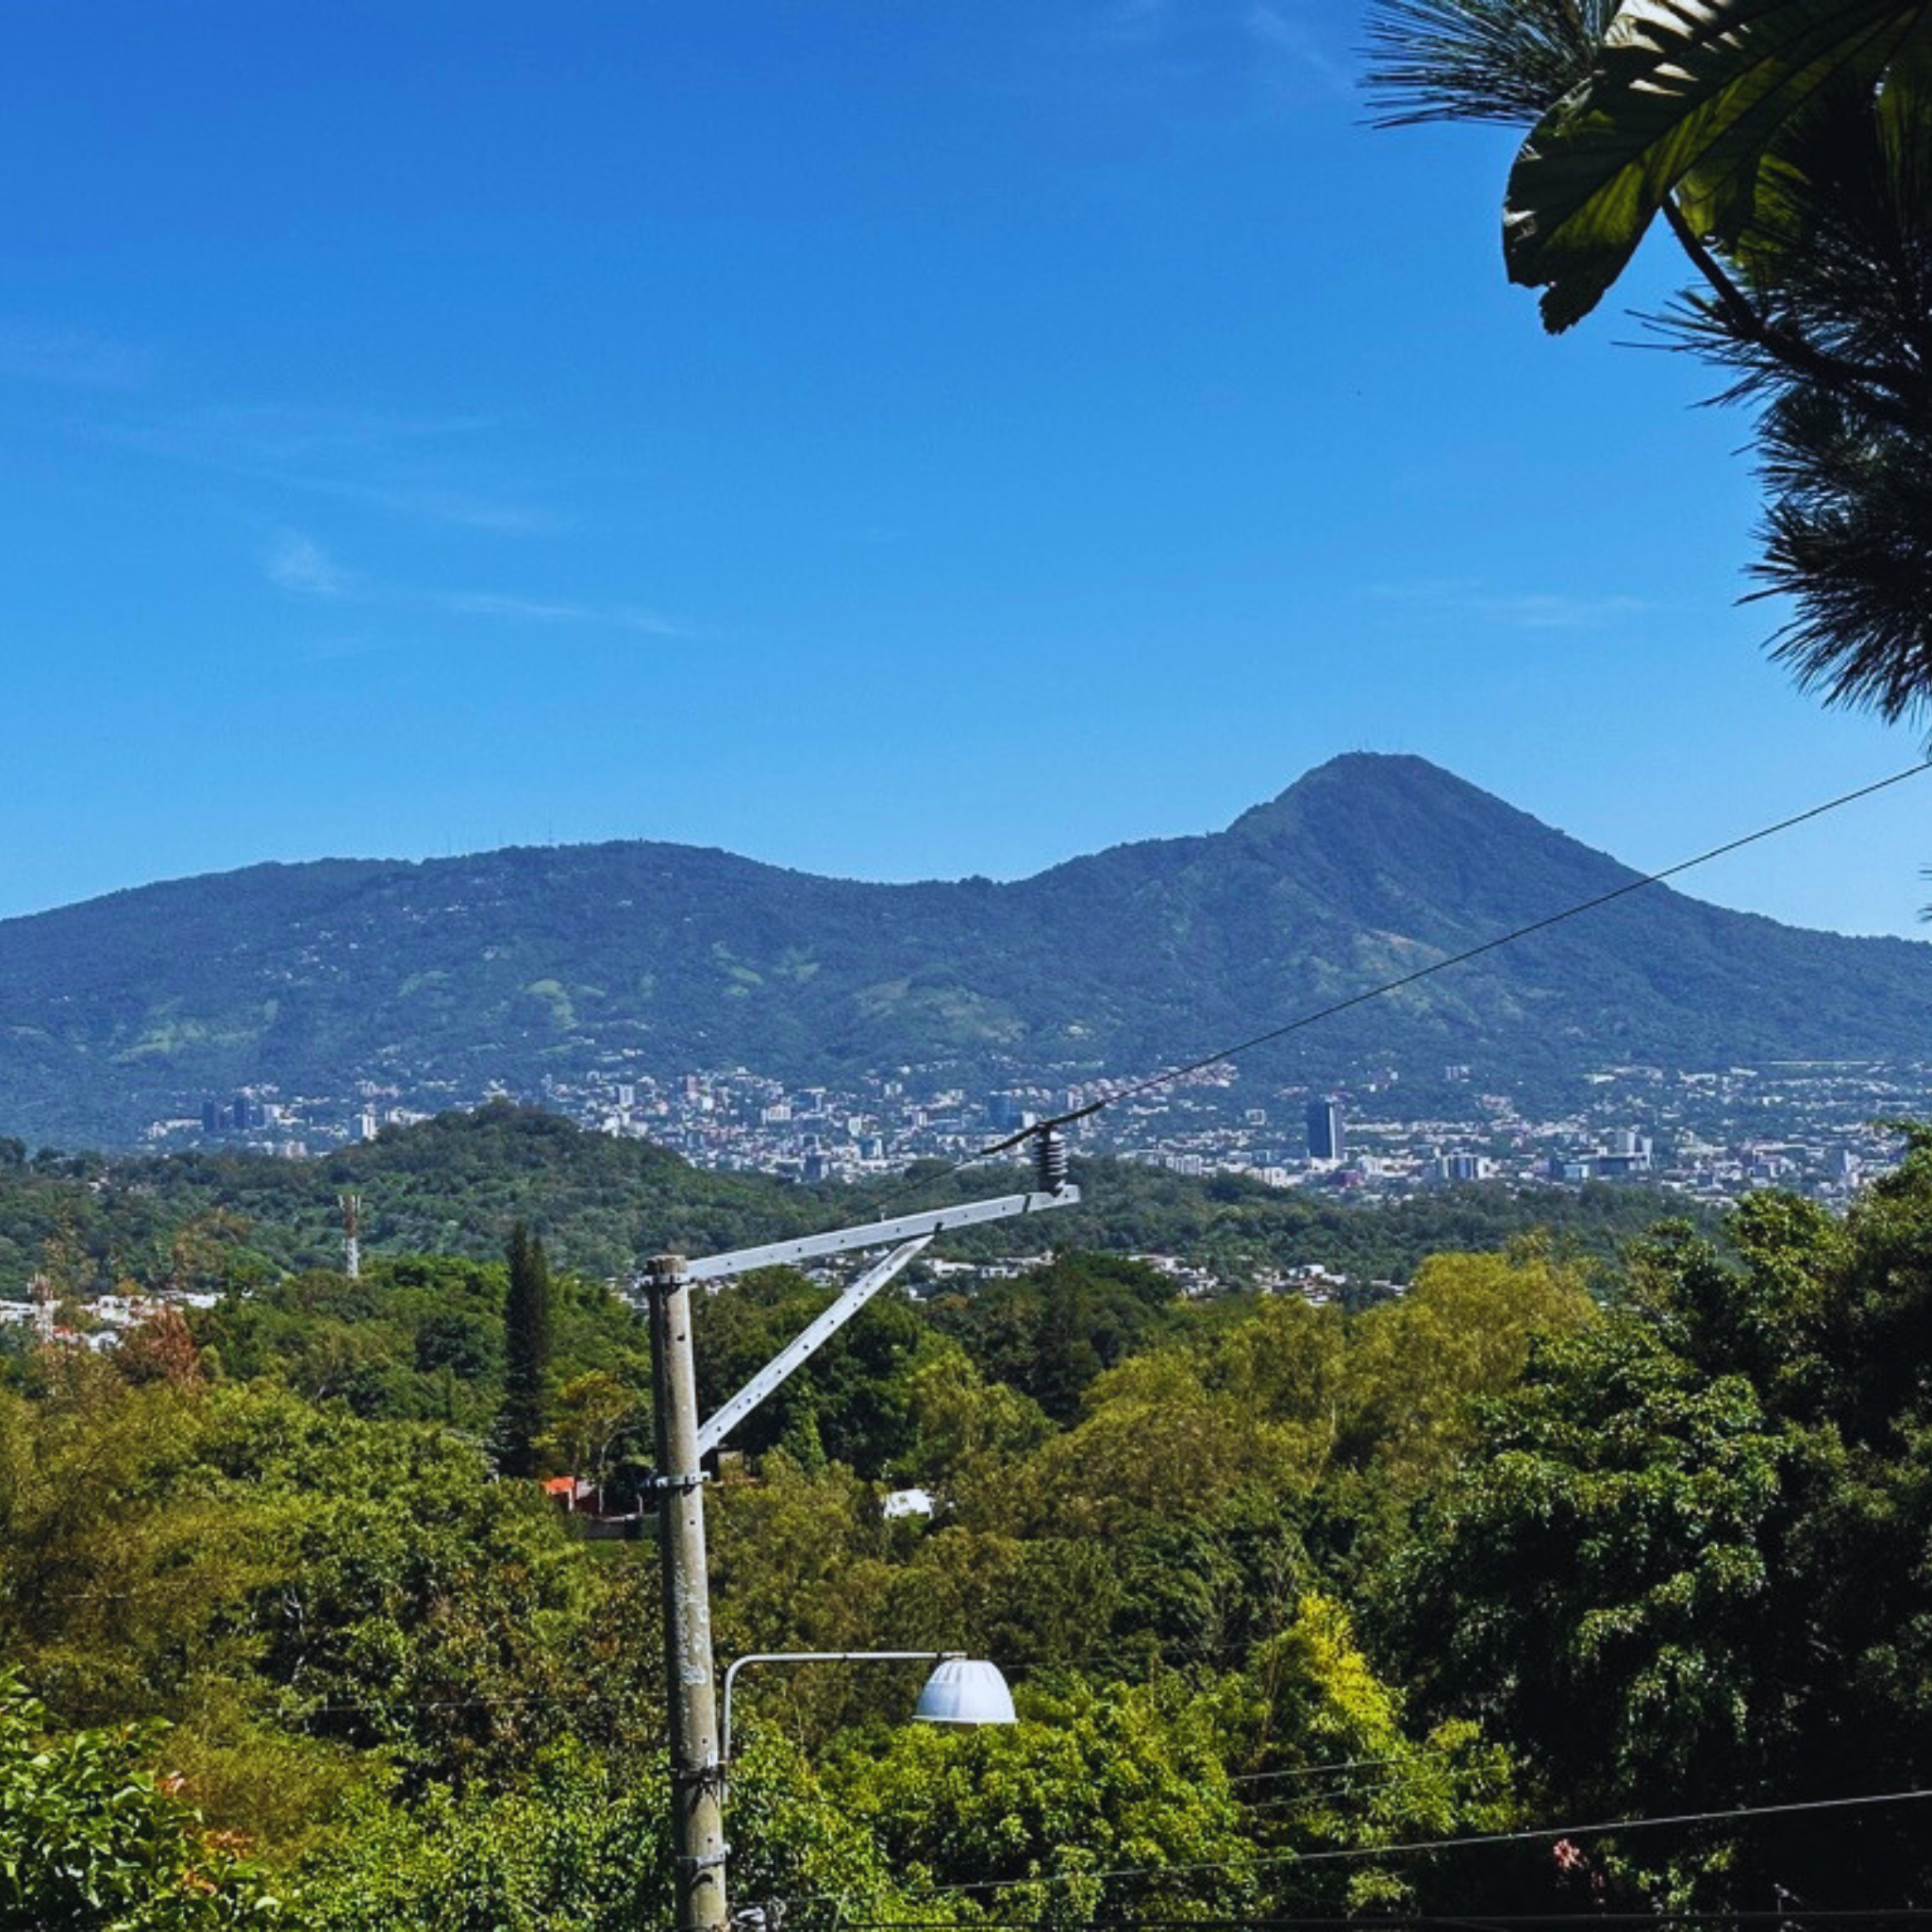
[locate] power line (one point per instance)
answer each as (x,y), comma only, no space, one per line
(1605,1826)
(1789,1916)
(1250,1778)
(1530,1835)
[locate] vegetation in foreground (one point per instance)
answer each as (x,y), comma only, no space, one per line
(1283,1590)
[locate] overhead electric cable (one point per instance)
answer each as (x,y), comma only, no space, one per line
(1790,1916)
(1530,1835)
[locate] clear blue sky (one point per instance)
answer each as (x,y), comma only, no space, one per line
(893,439)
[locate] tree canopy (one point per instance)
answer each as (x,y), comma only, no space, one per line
(1787,144)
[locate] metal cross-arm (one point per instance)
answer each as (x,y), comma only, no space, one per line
(911,1234)
(875,1234)
(808,1341)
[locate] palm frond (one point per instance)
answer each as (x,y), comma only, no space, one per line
(1504,61)
(1848,536)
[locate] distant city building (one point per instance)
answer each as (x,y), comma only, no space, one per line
(1325,1139)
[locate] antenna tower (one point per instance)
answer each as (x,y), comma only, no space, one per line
(43,1310)
(351,1247)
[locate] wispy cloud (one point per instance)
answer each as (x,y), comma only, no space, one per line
(71,358)
(429,502)
(295,433)
(1280,37)
(297,564)
(422,468)
(537,611)
(1284,47)
(1553,611)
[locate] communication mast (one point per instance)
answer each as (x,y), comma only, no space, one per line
(351,1247)
(43,1310)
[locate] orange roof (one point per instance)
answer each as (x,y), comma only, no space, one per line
(559,1484)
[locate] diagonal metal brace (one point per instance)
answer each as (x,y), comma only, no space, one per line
(876,1233)
(807,1343)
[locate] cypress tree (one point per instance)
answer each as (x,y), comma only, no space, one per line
(527,1353)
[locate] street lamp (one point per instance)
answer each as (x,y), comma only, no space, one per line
(959,1691)
(962,1690)
(965,1691)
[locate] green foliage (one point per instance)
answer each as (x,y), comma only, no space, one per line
(1688,1556)
(1619,1538)
(1786,145)
(849,1401)
(1049,1333)
(92,1841)
(455,1186)
(1686,97)
(578,1847)
(245,1561)
(1126,1778)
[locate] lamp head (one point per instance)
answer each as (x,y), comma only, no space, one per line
(965,1691)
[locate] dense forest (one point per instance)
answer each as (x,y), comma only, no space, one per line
(1381,1610)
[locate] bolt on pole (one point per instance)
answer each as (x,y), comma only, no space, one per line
(696,1773)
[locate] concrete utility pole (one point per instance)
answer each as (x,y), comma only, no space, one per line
(352,1235)
(697,1766)
(697,1772)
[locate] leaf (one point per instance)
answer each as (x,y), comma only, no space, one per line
(1685,91)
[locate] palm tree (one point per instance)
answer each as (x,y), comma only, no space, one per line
(1787,144)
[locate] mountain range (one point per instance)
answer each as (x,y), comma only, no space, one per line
(441,977)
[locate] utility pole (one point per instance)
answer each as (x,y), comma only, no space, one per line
(352,1243)
(697,1772)
(697,1765)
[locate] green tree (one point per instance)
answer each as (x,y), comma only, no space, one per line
(597,1415)
(1788,146)
(1102,1803)
(1415,1369)
(527,1330)
(1328,1762)
(1686,1565)
(91,1839)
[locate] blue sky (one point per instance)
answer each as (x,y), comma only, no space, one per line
(894,439)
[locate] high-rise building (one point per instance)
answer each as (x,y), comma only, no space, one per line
(1326,1140)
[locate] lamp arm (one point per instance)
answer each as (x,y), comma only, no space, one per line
(817,1657)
